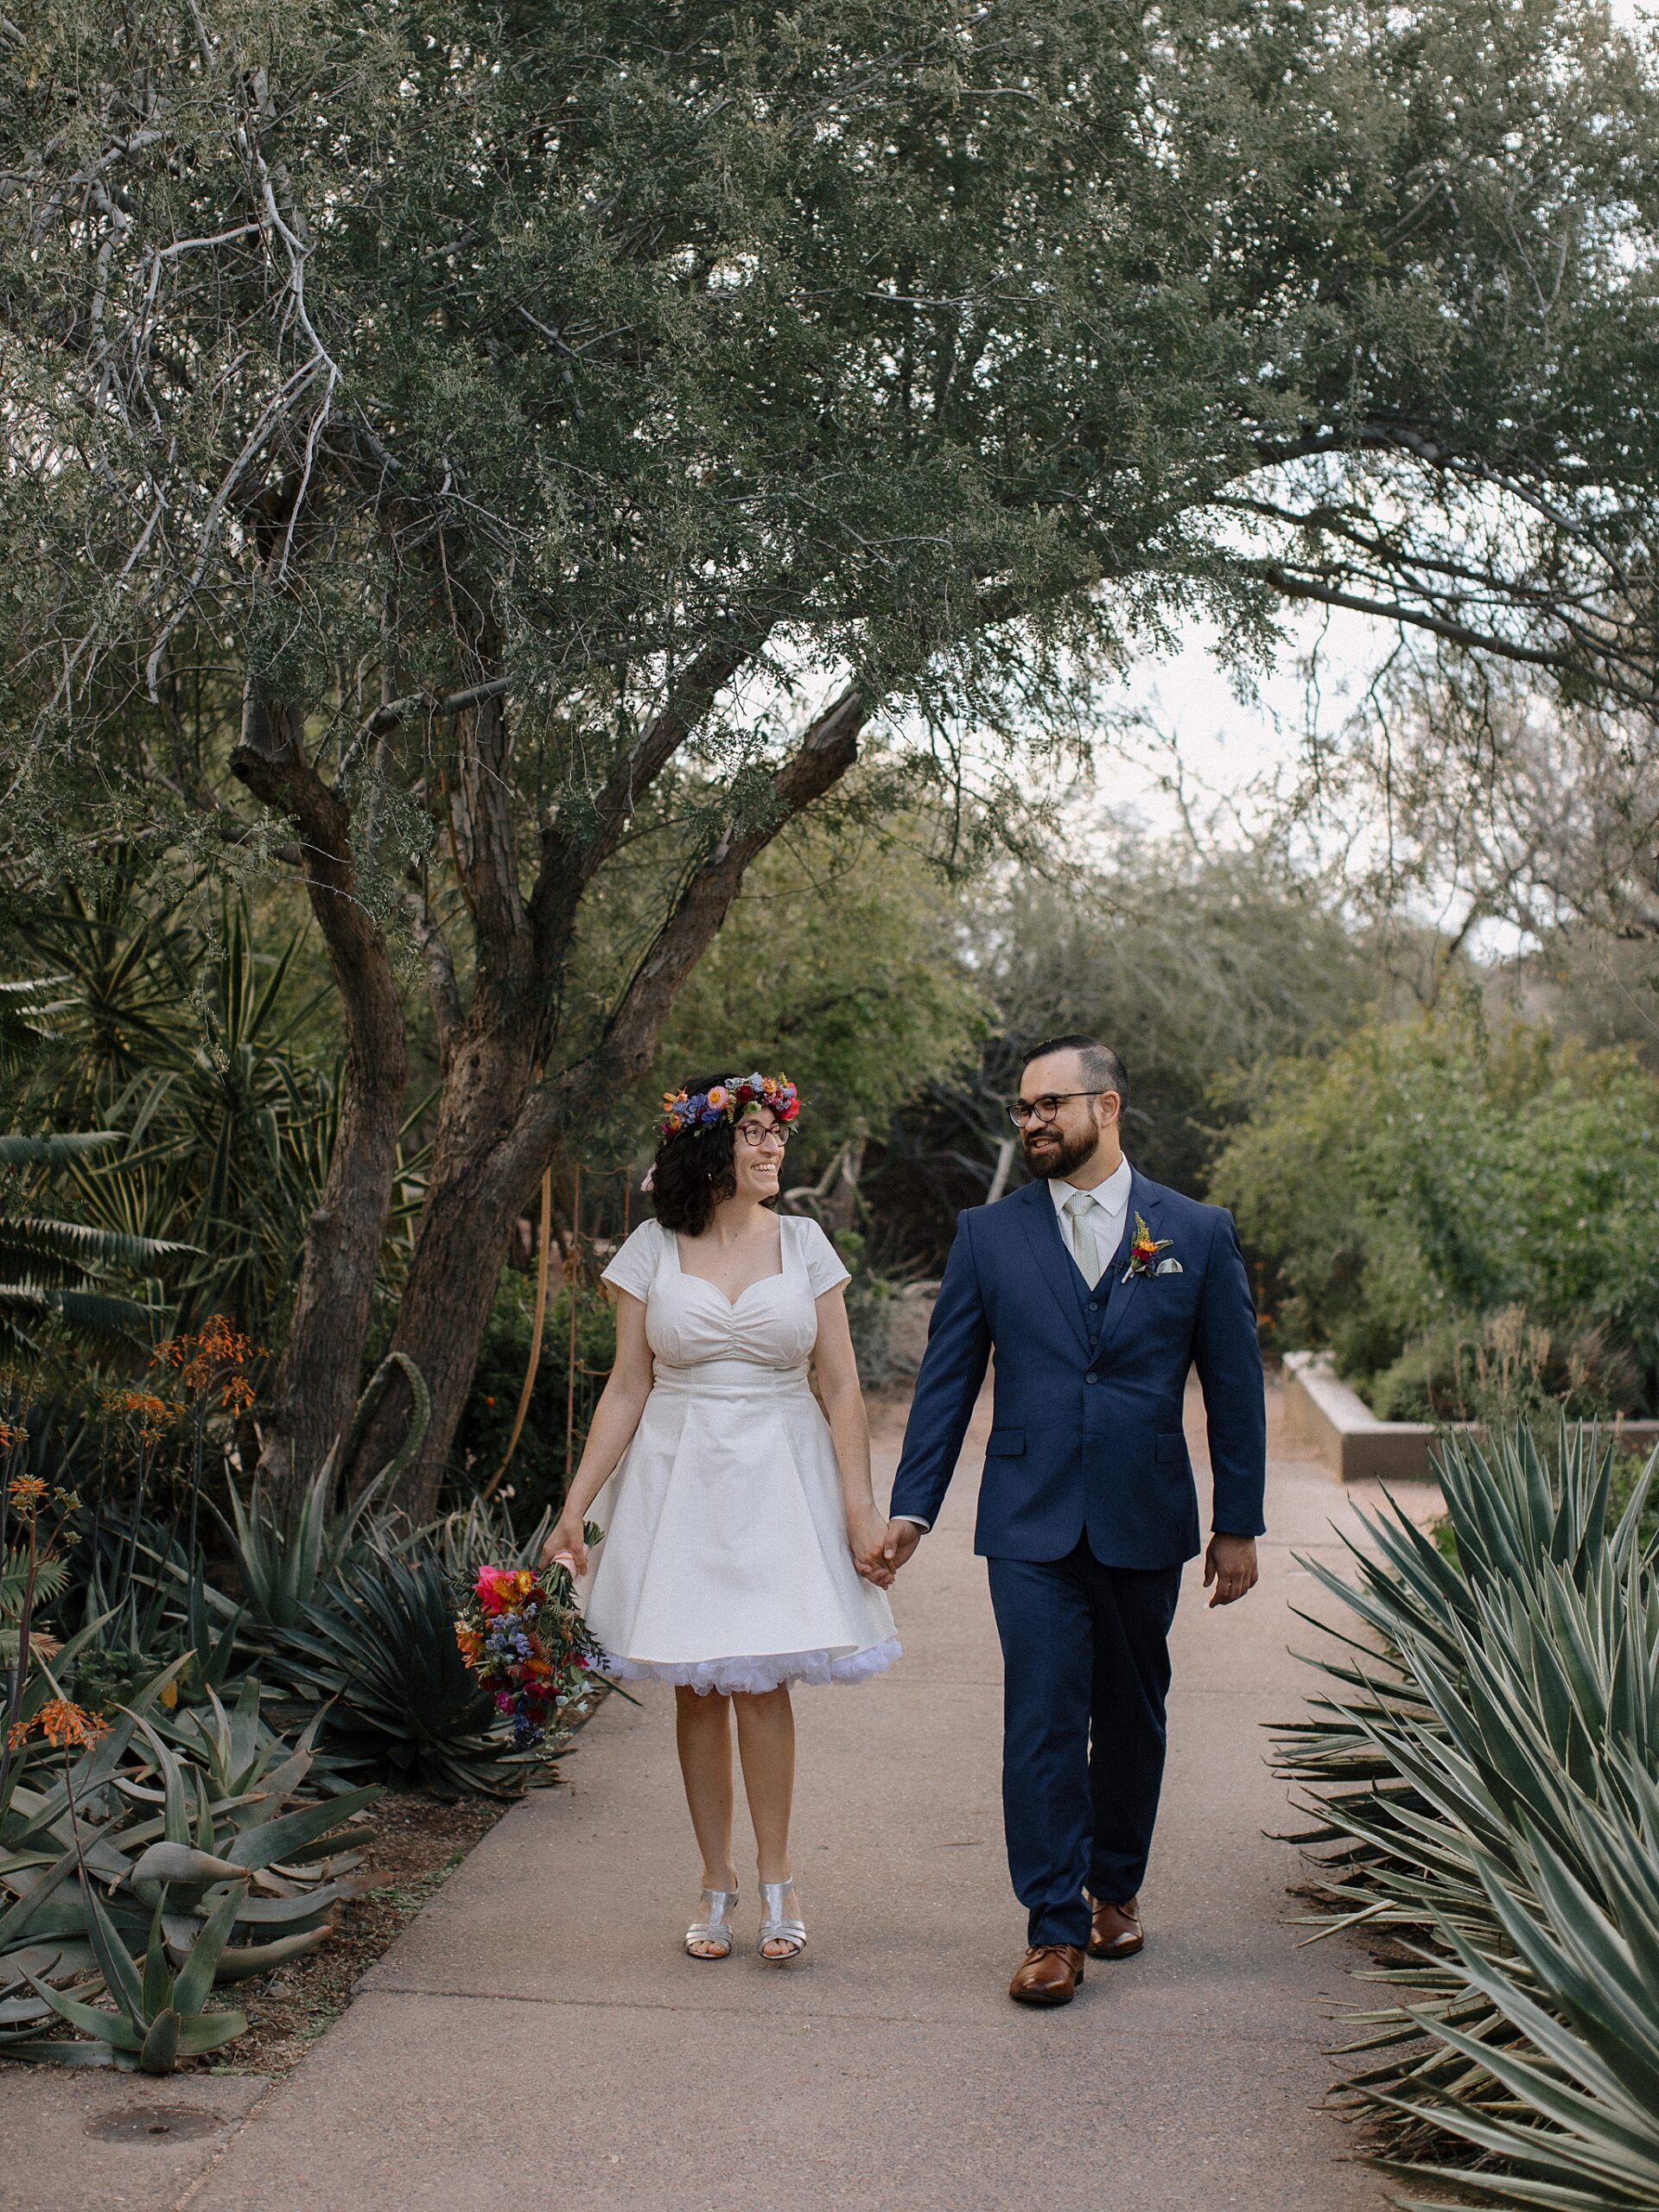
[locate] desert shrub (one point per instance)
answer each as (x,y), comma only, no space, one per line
(1439,1171)
(1503,1367)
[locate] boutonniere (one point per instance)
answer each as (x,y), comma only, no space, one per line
(1144,1249)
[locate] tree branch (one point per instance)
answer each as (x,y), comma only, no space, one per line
(317,1377)
(442,990)
(569,861)
(825,753)
(396,710)
(1297,586)
(484,845)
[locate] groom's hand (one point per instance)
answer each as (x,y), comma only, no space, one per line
(903,1536)
(1229,1563)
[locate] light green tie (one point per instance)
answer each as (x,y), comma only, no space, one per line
(1081,1207)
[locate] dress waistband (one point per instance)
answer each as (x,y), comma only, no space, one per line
(727,1378)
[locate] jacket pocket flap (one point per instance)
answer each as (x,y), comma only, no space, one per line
(1173,1446)
(1006,1444)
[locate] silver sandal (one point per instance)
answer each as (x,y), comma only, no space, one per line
(777,1926)
(715,1926)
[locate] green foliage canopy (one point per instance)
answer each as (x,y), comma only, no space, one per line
(1195,968)
(1450,1167)
(844,963)
(360,346)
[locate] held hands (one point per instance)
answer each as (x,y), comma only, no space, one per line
(867,1534)
(566,1542)
(881,1548)
(1229,1563)
(900,1541)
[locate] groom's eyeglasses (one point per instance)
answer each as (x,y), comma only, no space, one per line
(755,1133)
(1044,1109)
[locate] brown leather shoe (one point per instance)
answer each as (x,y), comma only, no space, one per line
(1118,1933)
(1048,1974)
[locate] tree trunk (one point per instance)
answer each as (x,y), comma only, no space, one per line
(320,1371)
(473,1197)
(499,1126)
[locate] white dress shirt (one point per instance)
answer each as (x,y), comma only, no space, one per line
(1111,1209)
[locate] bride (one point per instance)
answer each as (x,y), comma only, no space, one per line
(739,1519)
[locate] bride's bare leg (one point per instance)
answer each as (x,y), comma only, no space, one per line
(702,1729)
(765,1743)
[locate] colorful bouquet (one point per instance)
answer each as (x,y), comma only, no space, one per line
(522,1633)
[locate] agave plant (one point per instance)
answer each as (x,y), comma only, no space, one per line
(380,1647)
(482,1533)
(1486,1786)
(176,1853)
(155,2015)
(283,1556)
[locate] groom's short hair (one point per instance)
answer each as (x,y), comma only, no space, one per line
(1101,1069)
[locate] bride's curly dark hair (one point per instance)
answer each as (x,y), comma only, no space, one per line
(691,1174)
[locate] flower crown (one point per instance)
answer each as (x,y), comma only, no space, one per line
(690,1113)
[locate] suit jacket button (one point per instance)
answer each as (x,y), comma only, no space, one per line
(1091,1377)
(1093,1306)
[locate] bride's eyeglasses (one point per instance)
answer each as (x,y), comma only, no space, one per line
(755,1133)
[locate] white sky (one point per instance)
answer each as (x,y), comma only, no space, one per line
(1233,749)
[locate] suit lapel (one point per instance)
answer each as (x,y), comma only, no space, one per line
(1145,1201)
(1054,1263)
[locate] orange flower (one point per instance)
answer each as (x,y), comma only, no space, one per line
(154,1415)
(11,1436)
(62,1723)
(201,1358)
(26,1492)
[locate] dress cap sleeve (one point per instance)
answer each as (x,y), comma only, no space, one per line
(632,1268)
(824,1263)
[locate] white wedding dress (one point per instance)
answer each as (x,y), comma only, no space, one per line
(724,1564)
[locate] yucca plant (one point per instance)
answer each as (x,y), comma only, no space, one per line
(60,1272)
(1485,1776)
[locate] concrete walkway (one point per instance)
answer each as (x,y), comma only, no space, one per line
(536,2037)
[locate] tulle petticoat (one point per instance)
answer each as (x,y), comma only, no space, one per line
(753,1675)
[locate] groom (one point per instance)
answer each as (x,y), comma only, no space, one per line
(1097,1291)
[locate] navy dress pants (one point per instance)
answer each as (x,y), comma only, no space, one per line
(1085,1652)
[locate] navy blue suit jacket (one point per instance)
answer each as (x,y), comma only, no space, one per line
(1088,1383)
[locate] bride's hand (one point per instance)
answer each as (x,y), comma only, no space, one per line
(867,1532)
(566,1542)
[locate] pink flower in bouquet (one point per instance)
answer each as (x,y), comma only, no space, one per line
(497,1588)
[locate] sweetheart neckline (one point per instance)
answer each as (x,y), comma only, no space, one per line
(731,1304)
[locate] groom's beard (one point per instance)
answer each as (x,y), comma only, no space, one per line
(1050,1155)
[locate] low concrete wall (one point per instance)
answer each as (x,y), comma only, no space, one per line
(1322,1413)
